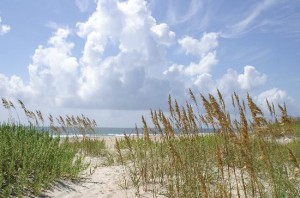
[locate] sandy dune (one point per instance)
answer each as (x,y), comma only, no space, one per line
(97,181)
(104,182)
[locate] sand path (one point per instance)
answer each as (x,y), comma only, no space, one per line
(103,182)
(97,181)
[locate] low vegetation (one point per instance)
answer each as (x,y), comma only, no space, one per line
(195,150)
(31,160)
(34,157)
(241,157)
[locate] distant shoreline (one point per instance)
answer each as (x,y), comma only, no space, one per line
(107,131)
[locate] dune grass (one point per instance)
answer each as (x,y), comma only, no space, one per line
(89,146)
(241,158)
(296,126)
(31,160)
(33,157)
(245,155)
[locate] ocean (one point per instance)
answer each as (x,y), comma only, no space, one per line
(108,131)
(97,132)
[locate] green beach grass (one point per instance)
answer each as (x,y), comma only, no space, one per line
(32,159)
(247,155)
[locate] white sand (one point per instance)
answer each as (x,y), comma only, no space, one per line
(104,182)
(97,181)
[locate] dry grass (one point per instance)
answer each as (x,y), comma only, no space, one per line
(241,158)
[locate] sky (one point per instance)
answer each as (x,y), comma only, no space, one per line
(114,60)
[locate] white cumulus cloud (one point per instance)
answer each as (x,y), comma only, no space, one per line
(13,87)
(204,66)
(123,80)
(53,71)
(251,78)
(276,96)
(207,43)
(4,29)
(137,75)
(204,48)
(163,33)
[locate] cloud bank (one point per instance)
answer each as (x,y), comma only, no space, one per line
(124,64)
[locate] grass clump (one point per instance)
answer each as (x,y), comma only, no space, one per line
(89,146)
(33,157)
(296,126)
(32,160)
(243,156)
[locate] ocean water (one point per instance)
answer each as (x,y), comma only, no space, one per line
(98,132)
(108,131)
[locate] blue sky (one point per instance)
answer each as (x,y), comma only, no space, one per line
(113,60)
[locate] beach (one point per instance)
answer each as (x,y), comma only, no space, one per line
(97,180)
(103,182)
